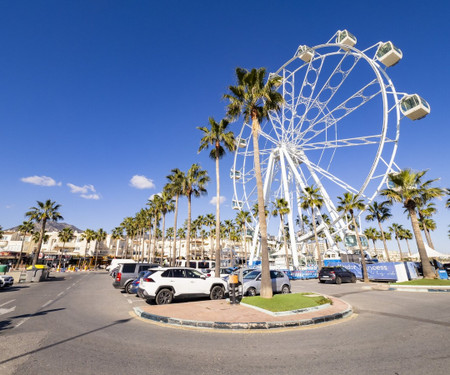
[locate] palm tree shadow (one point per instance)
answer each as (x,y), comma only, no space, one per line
(121,321)
(6,324)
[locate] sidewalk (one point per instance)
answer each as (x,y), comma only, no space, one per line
(222,315)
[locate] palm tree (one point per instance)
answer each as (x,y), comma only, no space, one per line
(380,212)
(196,180)
(210,221)
(155,206)
(166,205)
(425,210)
(311,199)
(127,225)
(88,235)
(406,235)
(44,211)
(348,204)
(176,184)
(372,234)
(181,233)
(117,235)
(100,236)
(254,100)
(242,219)
(407,188)
(396,230)
(220,139)
(1,232)
(66,235)
(281,207)
(25,228)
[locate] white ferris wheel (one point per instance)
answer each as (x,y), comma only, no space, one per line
(337,130)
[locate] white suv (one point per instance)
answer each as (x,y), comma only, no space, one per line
(165,284)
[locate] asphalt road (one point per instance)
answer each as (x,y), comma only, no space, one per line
(79,324)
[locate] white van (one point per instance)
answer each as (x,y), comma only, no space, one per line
(201,265)
(117,261)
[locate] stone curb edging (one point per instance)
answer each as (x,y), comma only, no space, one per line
(243,326)
(419,289)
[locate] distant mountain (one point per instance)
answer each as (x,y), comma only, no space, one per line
(50,226)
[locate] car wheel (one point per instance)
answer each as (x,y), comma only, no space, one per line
(285,289)
(353,279)
(338,280)
(251,292)
(128,287)
(217,292)
(164,297)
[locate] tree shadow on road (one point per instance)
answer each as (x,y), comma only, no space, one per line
(121,321)
(7,324)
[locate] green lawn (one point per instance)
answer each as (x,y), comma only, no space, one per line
(286,302)
(431,282)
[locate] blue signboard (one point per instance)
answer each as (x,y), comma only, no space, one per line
(376,271)
(331,262)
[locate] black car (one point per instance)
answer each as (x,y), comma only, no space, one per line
(336,275)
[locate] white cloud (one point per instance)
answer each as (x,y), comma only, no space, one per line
(81,189)
(213,201)
(40,180)
(90,196)
(141,182)
(8,206)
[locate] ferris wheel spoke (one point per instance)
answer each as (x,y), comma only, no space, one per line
(344,73)
(348,142)
(331,119)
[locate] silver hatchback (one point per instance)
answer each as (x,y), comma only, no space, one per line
(252,282)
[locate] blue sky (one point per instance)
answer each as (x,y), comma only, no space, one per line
(93,93)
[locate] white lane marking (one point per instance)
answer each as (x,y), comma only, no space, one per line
(130,301)
(3,304)
(47,303)
(68,288)
(21,322)
(5,311)
(59,294)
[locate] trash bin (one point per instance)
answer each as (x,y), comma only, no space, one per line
(37,274)
(4,268)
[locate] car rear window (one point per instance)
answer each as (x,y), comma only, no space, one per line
(128,268)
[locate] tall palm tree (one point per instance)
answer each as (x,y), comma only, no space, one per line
(25,228)
(243,218)
(220,139)
(196,180)
(176,184)
(100,236)
(254,98)
(396,230)
(372,234)
(406,235)
(88,235)
(281,207)
(181,234)
(210,221)
(349,203)
(117,235)
(66,235)
(380,212)
(425,210)
(166,205)
(407,188)
(127,225)
(311,199)
(44,211)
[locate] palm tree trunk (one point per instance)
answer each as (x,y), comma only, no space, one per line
(426,266)
(319,255)
(188,235)
(217,245)
(399,248)
(407,244)
(163,239)
(21,252)
(285,242)
(149,258)
(266,283)
(363,256)
(155,222)
(39,245)
(428,236)
(96,254)
(174,249)
(60,255)
(384,242)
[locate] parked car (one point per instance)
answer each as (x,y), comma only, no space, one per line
(115,262)
(166,284)
(252,282)
(135,283)
(447,268)
(127,272)
(225,272)
(336,275)
(6,280)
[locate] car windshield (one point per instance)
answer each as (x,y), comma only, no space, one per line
(252,275)
(227,271)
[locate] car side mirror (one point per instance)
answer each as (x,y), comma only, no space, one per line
(259,278)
